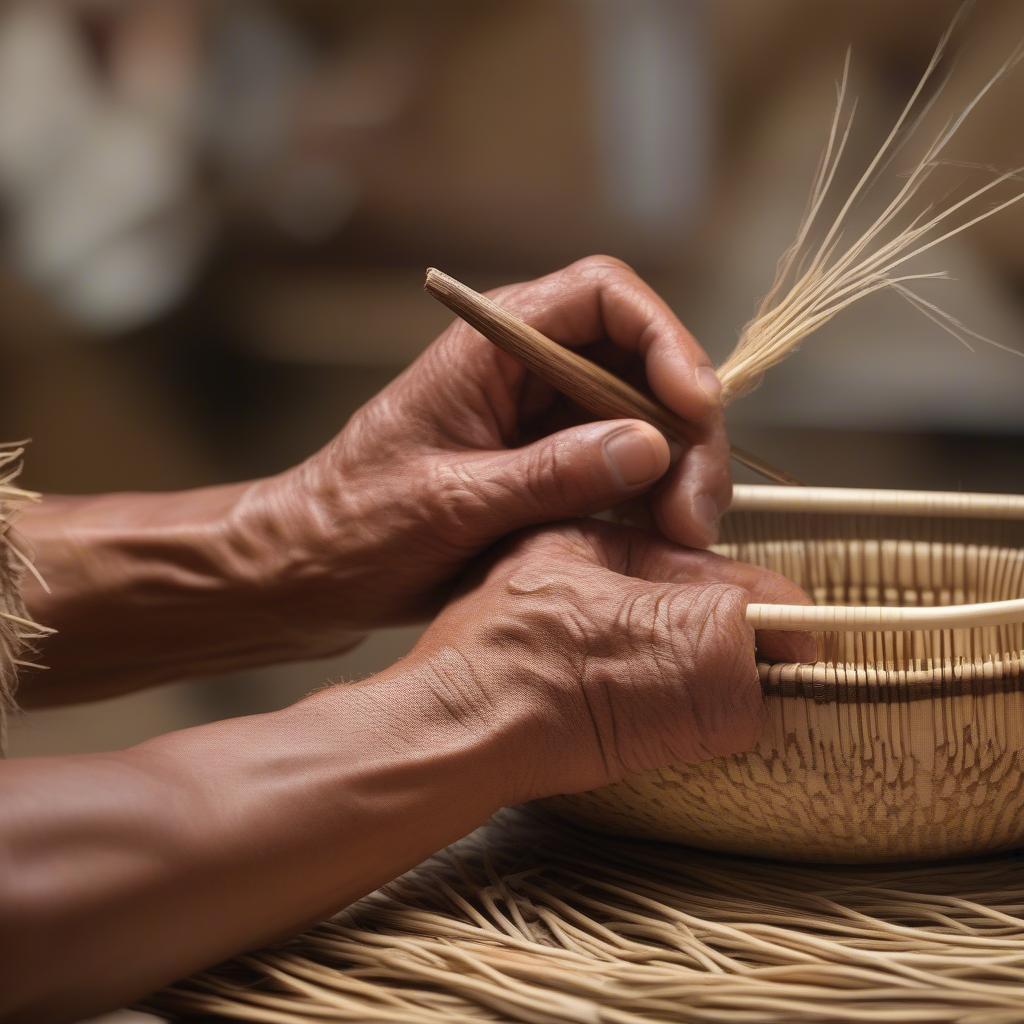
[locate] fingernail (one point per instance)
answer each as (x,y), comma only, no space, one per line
(709,383)
(706,515)
(633,457)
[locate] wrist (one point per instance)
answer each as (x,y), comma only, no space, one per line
(500,712)
(148,588)
(411,735)
(342,536)
(297,560)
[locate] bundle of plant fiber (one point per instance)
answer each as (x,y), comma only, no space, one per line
(527,920)
(17,630)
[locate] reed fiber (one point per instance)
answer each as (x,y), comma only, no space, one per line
(17,630)
(903,739)
(527,921)
(897,741)
(824,271)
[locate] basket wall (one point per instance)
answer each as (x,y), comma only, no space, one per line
(894,745)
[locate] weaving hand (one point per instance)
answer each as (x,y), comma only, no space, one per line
(575,655)
(461,450)
(595,651)
(466,447)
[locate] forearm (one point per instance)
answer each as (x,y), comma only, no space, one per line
(123,872)
(147,588)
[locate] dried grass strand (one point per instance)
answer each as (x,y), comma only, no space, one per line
(18,632)
(814,283)
(528,921)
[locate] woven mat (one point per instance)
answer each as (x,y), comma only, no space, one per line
(530,920)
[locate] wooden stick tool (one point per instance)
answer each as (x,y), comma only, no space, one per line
(586,383)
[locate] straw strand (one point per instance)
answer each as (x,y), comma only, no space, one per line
(815,284)
(551,927)
(17,630)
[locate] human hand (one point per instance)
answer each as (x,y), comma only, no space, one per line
(466,447)
(595,651)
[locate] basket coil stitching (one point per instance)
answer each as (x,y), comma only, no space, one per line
(823,500)
(924,534)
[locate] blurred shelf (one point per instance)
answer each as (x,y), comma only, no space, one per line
(328,317)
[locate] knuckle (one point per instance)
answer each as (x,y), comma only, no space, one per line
(603,265)
(507,293)
(462,509)
(718,607)
(568,545)
(552,479)
(698,650)
(731,706)
(541,478)
(646,614)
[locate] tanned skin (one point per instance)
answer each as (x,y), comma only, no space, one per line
(561,655)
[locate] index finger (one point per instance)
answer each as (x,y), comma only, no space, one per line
(645,556)
(601,297)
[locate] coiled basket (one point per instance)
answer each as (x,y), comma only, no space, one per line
(905,739)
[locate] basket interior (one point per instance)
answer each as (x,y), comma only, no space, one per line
(894,561)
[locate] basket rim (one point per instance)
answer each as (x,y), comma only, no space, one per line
(876,501)
(880,502)
(828,683)
(875,618)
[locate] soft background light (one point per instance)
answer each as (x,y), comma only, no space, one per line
(216,217)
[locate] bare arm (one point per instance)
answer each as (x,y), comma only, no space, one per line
(460,450)
(582,653)
(121,872)
(148,588)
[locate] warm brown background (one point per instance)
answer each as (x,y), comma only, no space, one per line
(217,217)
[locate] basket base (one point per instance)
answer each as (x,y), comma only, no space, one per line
(836,782)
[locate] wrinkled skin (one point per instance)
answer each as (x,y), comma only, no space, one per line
(563,656)
(465,447)
(579,653)
(375,528)
(621,651)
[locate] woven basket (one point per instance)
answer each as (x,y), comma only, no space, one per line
(905,740)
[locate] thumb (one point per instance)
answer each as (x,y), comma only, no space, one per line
(575,472)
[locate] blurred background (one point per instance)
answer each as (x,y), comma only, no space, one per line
(215,216)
